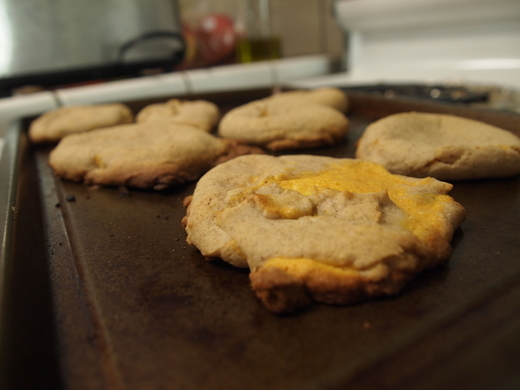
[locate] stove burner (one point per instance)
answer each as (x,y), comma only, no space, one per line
(450,94)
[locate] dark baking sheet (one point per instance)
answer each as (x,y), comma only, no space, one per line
(127,304)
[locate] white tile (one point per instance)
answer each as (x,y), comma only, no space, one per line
(231,77)
(149,87)
(16,107)
(264,74)
(301,67)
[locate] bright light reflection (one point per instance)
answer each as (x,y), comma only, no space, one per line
(491,63)
(6,41)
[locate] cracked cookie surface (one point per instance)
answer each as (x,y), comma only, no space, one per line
(139,155)
(314,228)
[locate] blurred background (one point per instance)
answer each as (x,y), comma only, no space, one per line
(298,28)
(82,50)
(44,43)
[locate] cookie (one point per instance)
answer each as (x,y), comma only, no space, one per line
(139,155)
(291,120)
(198,113)
(56,124)
(332,97)
(446,147)
(314,228)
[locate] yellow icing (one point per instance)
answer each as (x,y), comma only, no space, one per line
(344,176)
(284,211)
(423,209)
(302,267)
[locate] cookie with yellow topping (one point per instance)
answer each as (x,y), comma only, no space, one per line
(313,228)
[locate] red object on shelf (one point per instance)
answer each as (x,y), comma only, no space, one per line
(213,41)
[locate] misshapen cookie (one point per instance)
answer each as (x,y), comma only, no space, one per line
(201,114)
(56,124)
(314,228)
(140,155)
(289,120)
(443,146)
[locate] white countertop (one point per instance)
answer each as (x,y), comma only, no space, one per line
(263,74)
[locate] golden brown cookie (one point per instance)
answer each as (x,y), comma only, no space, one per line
(198,113)
(446,147)
(332,97)
(56,124)
(139,155)
(314,228)
(291,120)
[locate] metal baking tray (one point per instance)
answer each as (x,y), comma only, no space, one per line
(99,290)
